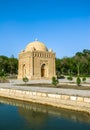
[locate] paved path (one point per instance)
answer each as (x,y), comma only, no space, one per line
(85,93)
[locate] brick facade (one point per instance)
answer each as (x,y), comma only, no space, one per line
(36,62)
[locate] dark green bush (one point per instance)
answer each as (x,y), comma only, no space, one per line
(55,81)
(70,78)
(78,81)
(84,79)
(60,77)
(25,79)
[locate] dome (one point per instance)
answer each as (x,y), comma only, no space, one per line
(36,45)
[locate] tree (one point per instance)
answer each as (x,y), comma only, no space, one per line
(13,65)
(8,65)
(86,52)
(78,62)
(82,60)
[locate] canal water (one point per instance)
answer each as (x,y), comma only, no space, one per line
(19,115)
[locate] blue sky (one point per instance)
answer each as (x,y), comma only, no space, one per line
(63,25)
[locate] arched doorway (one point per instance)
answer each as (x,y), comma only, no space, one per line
(43,69)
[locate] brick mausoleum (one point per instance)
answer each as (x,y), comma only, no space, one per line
(36,62)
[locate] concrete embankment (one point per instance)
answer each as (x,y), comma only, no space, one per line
(74,102)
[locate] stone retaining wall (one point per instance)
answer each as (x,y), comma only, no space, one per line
(58,100)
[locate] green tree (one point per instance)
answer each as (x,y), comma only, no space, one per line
(82,60)
(13,65)
(79,64)
(8,65)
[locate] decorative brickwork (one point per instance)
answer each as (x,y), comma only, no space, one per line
(36,62)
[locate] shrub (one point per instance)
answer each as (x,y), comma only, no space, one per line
(84,79)
(70,78)
(60,77)
(78,81)
(25,79)
(3,79)
(55,81)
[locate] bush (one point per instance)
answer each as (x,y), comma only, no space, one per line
(25,79)
(3,77)
(4,80)
(84,79)
(78,81)
(60,77)
(70,78)
(55,81)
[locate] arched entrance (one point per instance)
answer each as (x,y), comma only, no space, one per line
(43,69)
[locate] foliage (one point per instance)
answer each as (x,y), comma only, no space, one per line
(25,79)
(84,79)
(70,78)
(2,73)
(8,66)
(78,81)
(55,81)
(60,76)
(79,64)
(3,77)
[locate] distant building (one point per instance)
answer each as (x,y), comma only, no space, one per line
(36,62)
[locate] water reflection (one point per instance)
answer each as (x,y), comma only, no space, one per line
(38,114)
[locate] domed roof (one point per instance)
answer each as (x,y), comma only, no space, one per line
(36,45)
